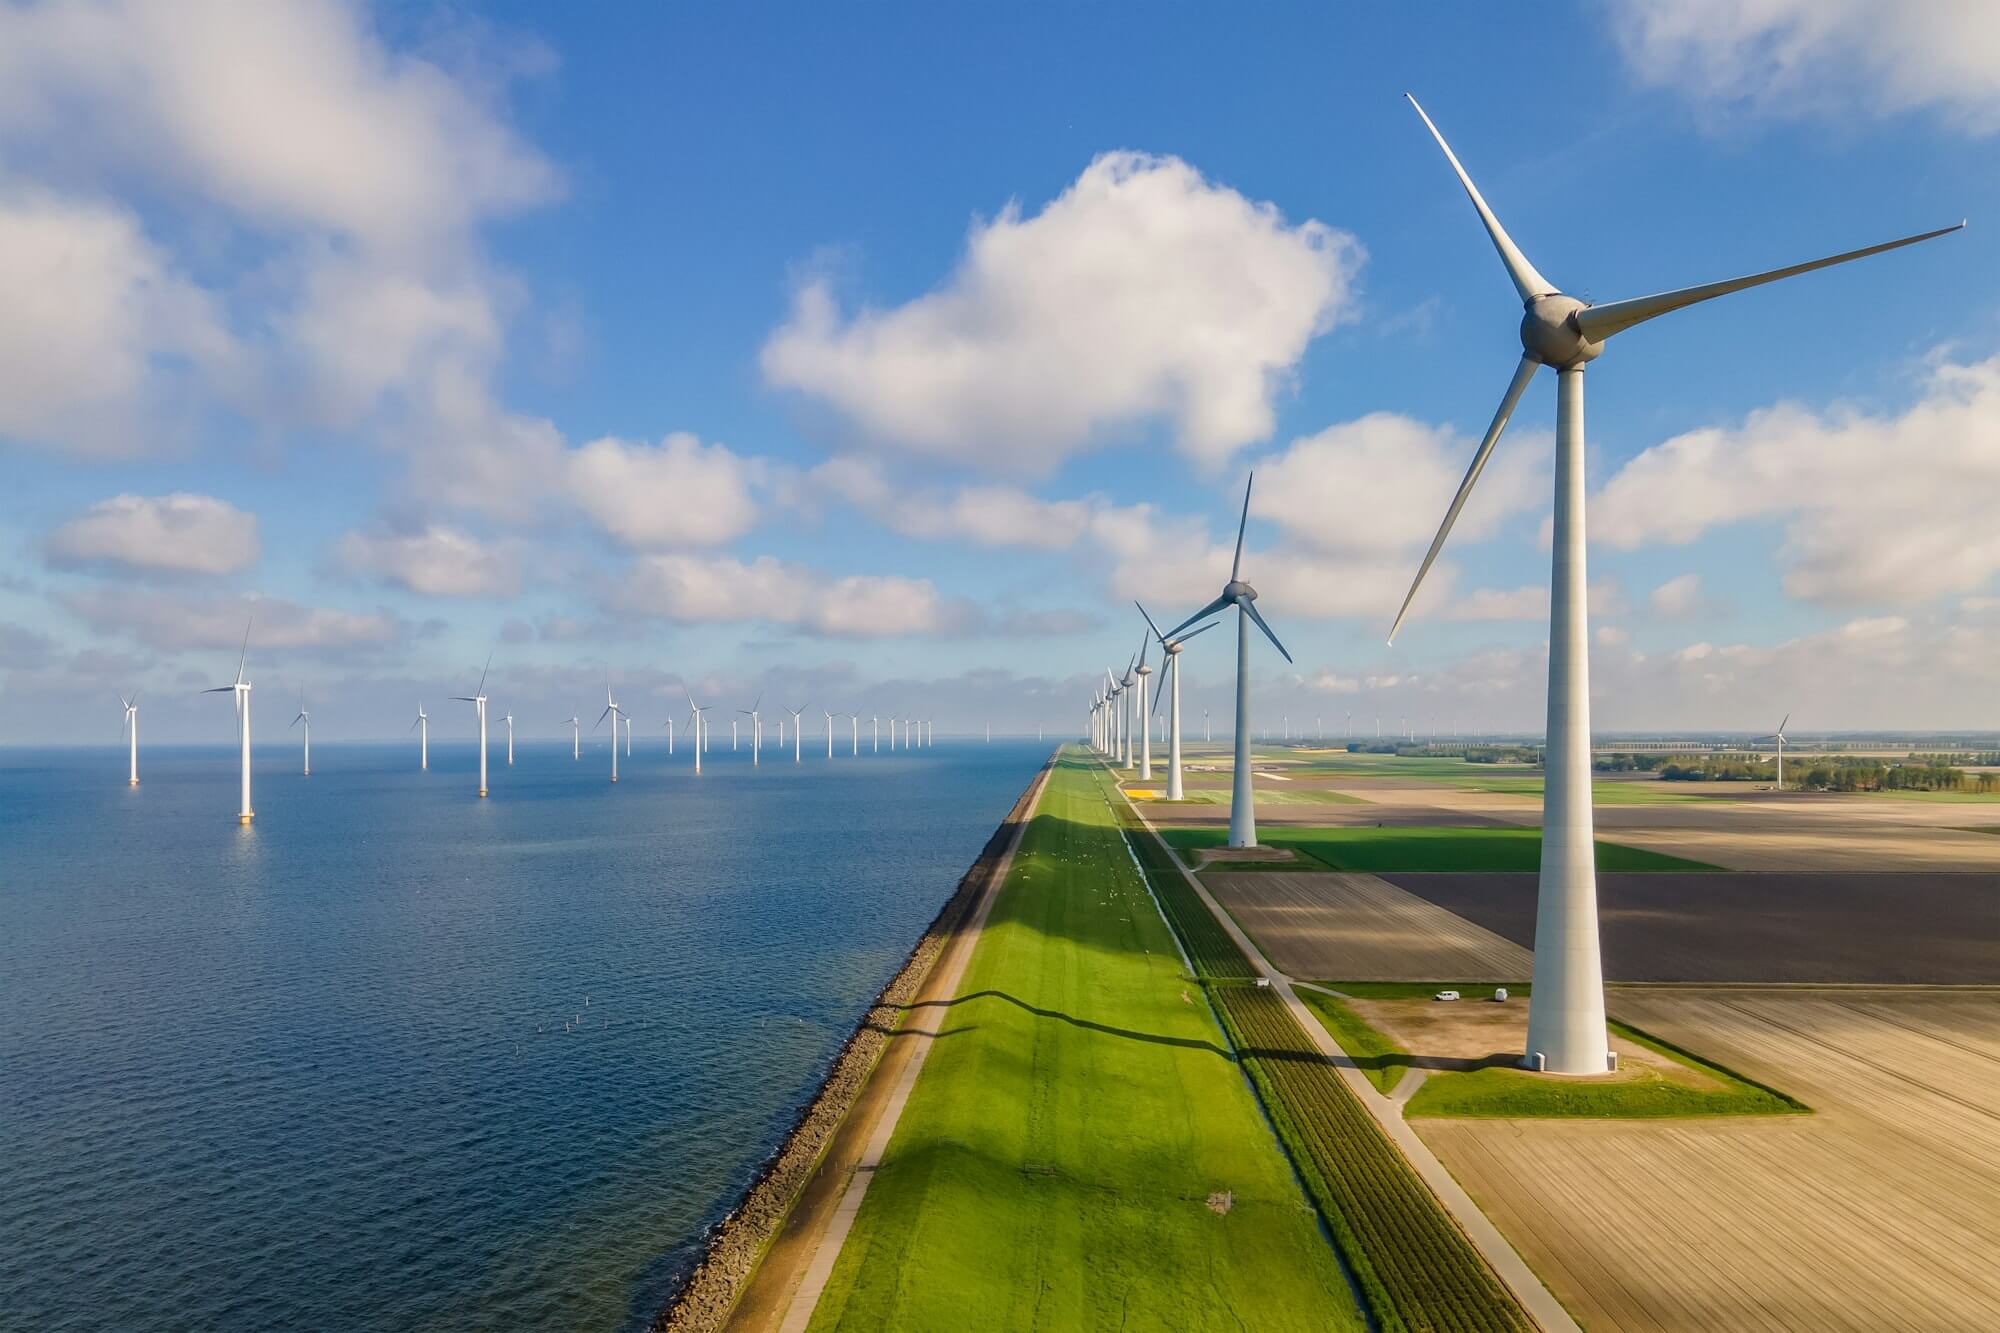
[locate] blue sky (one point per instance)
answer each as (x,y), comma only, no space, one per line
(880,355)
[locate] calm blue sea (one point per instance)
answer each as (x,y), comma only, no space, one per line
(313,1074)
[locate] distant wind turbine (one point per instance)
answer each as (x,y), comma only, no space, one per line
(422,726)
(304,719)
(697,714)
(756,729)
(875,730)
(1779,737)
(614,712)
(1141,712)
(798,732)
(575,739)
(669,725)
(510,740)
(829,735)
(1566,1030)
(478,701)
(1237,593)
(132,727)
(241,689)
(1171,650)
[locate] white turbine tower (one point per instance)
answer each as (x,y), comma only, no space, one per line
(478,701)
(700,722)
(854,728)
(510,740)
(305,719)
(829,734)
(798,733)
(756,730)
(1143,714)
(575,738)
(669,725)
(132,728)
(422,726)
(1171,650)
(241,689)
(1780,737)
(1237,593)
(875,731)
(1566,1032)
(615,713)
(628,735)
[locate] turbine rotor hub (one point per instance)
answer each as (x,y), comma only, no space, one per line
(1550,335)
(1236,590)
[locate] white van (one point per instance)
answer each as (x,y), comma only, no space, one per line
(1446,995)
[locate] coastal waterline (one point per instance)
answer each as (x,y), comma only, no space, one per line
(315,1073)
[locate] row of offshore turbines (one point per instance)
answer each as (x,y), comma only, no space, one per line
(915,733)
(1566,1025)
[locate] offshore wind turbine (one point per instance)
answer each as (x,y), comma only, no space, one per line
(422,726)
(875,731)
(696,714)
(241,689)
(614,712)
(305,719)
(132,727)
(669,724)
(829,735)
(575,739)
(478,701)
(1171,650)
(798,733)
(854,727)
(510,740)
(1566,1032)
(756,729)
(1237,593)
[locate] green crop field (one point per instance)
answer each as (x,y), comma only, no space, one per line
(1377,1056)
(1516,1094)
(1382,850)
(1081,1150)
(1414,1266)
(1267,795)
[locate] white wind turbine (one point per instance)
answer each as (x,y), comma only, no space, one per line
(829,734)
(1237,593)
(478,701)
(756,729)
(614,712)
(1171,650)
(1113,692)
(628,736)
(697,716)
(669,725)
(575,739)
(241,689)
(510,740)
(1143,714)
(132,727)
(1779,737)
(304,719)
(1566,1032)
(798,733)
(854,726)
(422,726)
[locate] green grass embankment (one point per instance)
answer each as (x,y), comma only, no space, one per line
(1081,1151)
(1379,1058)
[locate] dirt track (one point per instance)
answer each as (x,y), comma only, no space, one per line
(1902,929)
(1881,1211)
(1361,928)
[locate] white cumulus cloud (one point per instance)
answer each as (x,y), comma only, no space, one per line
(180,624)
(722,589)
(679,492)
(434,560)
(180,533)
(1143,292)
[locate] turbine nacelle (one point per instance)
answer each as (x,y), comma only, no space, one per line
(1551,335)
(1236,590)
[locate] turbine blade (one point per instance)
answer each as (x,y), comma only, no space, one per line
(1527,281)
(220,689)
(413,725)
(1203,630)
(1522,374)
(1599,322)
(1219,604)
(1236,565)
(1250,609)
(243,658)
(1781,726)
(1149,622)
(482,673)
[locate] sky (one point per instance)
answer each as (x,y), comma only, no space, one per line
(878,358)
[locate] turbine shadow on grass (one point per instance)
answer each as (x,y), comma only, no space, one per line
(1157,1039)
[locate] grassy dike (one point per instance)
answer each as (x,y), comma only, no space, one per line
(1081,1150)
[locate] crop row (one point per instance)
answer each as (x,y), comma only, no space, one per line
(1418,1272)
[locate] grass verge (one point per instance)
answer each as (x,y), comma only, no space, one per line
(1372,1051)
(1378,850)
(1081,1150)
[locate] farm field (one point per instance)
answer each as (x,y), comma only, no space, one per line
(1879,1211)
(1081,1150)
(1360,927)
(1380,850)
(1862,928)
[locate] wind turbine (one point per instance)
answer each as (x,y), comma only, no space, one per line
(1237,593)
(854,726)
(241,689)
(510,740)
(1114,690)
(1779,737)
(798,733)
(614,712)
(1566,1032)
(875,731)
(696,712)
(756,729)
(829,735)
(628,735)
(669,725)
(1171,650)
(478,701)
(1142,713)
(132,726)
(422,726)
(575,739)
(305,718)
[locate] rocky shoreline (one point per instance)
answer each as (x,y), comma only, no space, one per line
(704,1302)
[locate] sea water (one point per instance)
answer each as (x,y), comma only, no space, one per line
(395,1057)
